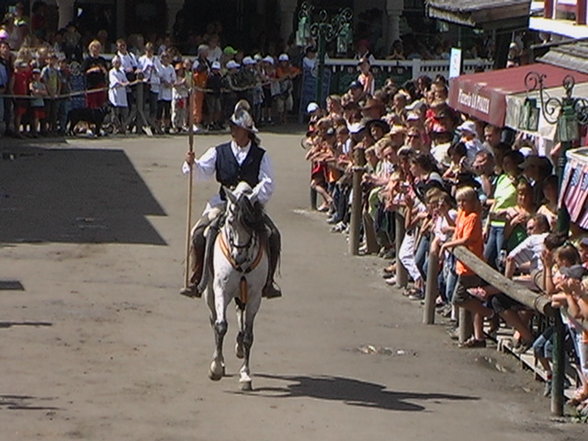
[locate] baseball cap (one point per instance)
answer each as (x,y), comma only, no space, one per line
(229,50)
(312,107)
(233,65)
(247,61)
(284,57)
(467,126)
(268,59)
(355,85)
(215,65)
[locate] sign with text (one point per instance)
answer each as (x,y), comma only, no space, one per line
(455,62)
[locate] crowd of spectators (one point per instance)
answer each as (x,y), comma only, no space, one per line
(143,86)
(457,182)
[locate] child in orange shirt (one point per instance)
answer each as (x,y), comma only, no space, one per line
(468,233)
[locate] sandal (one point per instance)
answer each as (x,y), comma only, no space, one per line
(578,398)
(473,343)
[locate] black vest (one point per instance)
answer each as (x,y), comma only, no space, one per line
(228,171)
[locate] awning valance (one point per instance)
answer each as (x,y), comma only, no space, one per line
(484,95)
(478,13)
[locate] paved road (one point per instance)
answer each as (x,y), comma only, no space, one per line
(96,344)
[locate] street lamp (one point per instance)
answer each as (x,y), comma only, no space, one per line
(568,113)
(324,29)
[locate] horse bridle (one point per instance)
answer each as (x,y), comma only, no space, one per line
(232,243)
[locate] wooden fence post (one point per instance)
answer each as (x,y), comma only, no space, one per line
(431,287)
(465,325)
(356,203)
(559,367)
(401,274)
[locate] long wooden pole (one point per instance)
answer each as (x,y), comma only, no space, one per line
(190,187)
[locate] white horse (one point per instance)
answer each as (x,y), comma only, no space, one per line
(240,269)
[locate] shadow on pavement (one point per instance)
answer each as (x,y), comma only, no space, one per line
(32,324)
(23,402)
(350,391)
(11,285)
(74,195)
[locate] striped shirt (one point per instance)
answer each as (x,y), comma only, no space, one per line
(529,250)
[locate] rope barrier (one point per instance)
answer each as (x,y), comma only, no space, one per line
(133,83)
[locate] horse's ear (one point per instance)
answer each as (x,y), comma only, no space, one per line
(230,195)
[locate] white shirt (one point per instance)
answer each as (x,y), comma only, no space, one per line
(529,250)
(128,61)
(150,67)
(167,74)
(214,54)
(205,168)
(117,93)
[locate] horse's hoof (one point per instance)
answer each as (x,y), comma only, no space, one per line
(214,375)
(239,351)
(246,386)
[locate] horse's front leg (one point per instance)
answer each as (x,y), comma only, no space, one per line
(220,326)
(245,373)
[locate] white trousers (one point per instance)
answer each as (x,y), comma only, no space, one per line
(407,256)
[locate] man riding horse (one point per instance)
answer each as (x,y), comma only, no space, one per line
(241,159)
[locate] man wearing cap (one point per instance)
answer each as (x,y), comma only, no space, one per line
(241,159)
(469,136)
(355,92)
(213,97)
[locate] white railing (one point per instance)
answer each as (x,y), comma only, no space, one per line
(418,67)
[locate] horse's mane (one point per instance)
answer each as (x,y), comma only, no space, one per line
(249,214)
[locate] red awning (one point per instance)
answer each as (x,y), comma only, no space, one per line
(483,95)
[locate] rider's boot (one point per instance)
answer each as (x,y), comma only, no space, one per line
(271,290)
(197,257)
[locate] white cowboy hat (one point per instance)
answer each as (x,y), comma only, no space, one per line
(242,118)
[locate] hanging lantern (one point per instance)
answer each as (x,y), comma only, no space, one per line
(344,39)
(529,116)
(567,124)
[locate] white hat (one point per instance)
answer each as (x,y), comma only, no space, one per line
(412,116)
(232,64)
(242,118)
(3,34)
(467,126)
(215,65)
(257,57)
(284,57)
(415,105)
(356,127)
(312,107)
(247,61)
(268,59)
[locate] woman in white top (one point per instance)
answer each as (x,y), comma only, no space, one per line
(117,92)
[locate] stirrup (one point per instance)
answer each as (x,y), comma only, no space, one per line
(191,291)
(271,291)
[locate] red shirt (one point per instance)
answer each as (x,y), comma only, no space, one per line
(22,78)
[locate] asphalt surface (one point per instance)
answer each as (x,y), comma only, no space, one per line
(97,344)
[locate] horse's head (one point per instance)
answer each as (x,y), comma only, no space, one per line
(244,220)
